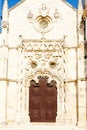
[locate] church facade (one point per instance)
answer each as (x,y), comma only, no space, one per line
(43,63)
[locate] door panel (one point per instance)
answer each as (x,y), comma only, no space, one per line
(42,101)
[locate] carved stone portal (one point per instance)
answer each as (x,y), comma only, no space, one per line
(44,59)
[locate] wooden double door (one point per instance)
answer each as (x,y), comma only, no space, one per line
(43,100)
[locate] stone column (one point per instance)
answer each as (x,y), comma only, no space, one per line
(82,83)
(22,113)
(3,82)
(82,91)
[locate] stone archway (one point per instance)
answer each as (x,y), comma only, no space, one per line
(60,91)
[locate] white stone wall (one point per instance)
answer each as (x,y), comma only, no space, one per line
(19,23)
(14,59)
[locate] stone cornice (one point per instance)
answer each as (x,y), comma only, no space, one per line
(8,80)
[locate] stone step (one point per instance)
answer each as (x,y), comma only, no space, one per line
(40,127)
(36,127)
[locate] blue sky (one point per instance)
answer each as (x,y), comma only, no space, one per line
(73,2)
(11,3)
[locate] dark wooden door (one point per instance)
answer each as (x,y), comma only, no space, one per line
(42,101)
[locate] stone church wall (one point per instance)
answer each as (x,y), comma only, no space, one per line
(29,53)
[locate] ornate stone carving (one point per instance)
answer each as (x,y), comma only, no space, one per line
(44,58)
(44,11)
(85,49)
(30,15)
(56,14)
(5,24)
(81,26)
(43,21)
(43,24)
(85,13)
(50,58)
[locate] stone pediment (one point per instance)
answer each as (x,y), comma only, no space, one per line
(21,2)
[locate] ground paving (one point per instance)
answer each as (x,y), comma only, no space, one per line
(40,127)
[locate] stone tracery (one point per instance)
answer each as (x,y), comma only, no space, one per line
(36,63)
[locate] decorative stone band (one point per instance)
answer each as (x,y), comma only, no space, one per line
(33,45)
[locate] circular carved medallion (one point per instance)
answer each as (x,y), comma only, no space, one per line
(43,24)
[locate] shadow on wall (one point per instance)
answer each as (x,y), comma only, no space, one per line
(85,62)
(0,24)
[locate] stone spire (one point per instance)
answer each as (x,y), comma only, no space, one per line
(85,1)
(85,4)
(80,5)
(85,10)
(5,22)
(5,11)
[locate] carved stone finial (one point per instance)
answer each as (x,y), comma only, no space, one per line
(44,11)
(85,3)
(5,23)
(56,14)
(5,11)
(44,6)
(80,5)
(85,14)
(85,11)
(30,15)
